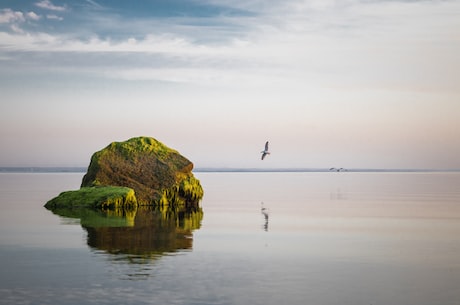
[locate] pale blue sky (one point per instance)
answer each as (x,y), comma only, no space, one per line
(350,83)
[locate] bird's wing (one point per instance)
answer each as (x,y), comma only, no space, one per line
(266,145)
(263,155)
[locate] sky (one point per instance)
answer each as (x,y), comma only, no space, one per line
(346,83)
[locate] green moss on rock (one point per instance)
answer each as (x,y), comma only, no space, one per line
(158,174)
(95,197)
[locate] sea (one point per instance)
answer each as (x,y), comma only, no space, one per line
(271,238)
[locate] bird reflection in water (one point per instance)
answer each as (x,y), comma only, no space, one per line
(265,213)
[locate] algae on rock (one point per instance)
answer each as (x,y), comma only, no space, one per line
(95,197)
(139,171)
(158,174)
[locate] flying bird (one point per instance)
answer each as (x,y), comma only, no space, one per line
(265,151)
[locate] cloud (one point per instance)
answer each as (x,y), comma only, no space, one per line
(16,29)
(27,42)
(33,16)
(54,17)
(8,16)
(94,4)
(48,5)
(16,18)
(340,46)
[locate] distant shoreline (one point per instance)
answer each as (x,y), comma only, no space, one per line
(36,169)
(76,169)
(317,170)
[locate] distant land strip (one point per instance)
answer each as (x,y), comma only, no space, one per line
(315,170)
(77,169)
(34,169)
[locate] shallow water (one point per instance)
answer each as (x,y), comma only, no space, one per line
(262,238)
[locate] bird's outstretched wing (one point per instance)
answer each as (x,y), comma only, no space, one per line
(265,151)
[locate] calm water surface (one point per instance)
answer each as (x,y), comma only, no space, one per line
(260,238)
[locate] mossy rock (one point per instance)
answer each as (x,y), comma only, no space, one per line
(95,197)
(158,174)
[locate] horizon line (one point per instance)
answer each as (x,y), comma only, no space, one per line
(81,169)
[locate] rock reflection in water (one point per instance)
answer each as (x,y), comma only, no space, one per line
(145,232)
(153,232)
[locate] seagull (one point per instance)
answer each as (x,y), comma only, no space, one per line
(265,151)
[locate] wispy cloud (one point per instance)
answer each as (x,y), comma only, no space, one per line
(94,4)
(337,44)
(48,5)
(15,19)
(54,17)
(33,16)
(8,15)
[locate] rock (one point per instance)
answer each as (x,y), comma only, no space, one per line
(158,174)
(95,197)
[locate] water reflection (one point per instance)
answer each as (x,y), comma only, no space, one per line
(265,213)
(140,233)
